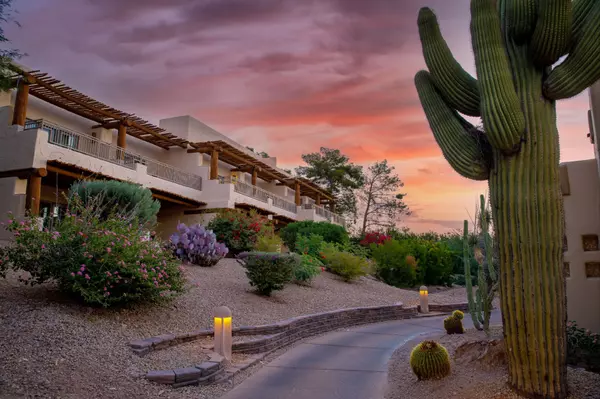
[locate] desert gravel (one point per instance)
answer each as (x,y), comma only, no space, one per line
(467,381)
(51,347)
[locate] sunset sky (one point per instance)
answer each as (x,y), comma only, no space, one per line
(282,76)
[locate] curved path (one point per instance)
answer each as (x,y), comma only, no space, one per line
(346,364)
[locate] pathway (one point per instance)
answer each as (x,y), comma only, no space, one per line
(347,364)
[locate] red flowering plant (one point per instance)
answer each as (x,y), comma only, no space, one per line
(103,261)
(374,238)
(240,230)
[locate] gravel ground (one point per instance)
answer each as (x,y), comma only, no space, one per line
(467,381)
(54,348)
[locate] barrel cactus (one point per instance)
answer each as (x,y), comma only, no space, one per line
(516,43)
(430,360)
(197,245)
(453,323)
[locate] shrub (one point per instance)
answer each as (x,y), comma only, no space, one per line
(330,232)
(430,360)
(453,324)
(349,267)
(126,199)
(394,264)
(583,347)
(197,245)
(269,272)
(310,245)
(308,268)
(374,238)
(268,243)
(240,230)
(102,261)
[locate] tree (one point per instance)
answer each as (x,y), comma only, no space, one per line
(380,201)
(515,44)
(333,171)
(7,56)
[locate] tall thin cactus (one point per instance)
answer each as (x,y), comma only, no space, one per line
(515,43)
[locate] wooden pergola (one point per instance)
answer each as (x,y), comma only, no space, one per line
(54,92)
(222,151)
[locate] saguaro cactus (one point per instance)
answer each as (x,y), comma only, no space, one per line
(515,43)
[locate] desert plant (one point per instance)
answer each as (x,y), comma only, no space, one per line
(269,272)
(430,360)
(481,304)
(515,44)
(453,323)
(330,232)
(310,245)
(268,243)
(103,261)
(118,197)
(308,268)
(349,267)
(197,245)
(240,230)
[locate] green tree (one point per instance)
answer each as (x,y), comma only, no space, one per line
(333,170)
(380,202)
(7,56)
(515,44)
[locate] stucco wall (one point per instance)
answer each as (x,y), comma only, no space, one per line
(594,121)
(582,217)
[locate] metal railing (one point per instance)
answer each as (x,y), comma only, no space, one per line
(285,205)
(251,191)
(326,213)
(96,148)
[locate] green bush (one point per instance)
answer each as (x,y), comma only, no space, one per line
(307,269)
(268,243)
(310,245)
(329,231)
(583,347)
(240,230)
(269,272)
(103,260)
(395,264)
(111,196)
(349,267)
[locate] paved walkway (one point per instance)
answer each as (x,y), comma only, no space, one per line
(347,364)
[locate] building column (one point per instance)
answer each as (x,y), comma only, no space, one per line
(318,200)
(34,191)
(254,175)
(298,199)
(121,140)
(214,165)
(20,111)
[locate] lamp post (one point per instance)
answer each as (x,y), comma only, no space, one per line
(423,294)
(223,332)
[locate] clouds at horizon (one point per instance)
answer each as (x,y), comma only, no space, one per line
(282,76)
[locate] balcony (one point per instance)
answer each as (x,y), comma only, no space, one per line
(88,145)
(262,195)
(326,214)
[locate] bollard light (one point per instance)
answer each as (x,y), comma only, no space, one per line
(424,299)
(223,338)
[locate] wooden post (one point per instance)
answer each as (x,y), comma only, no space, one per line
(20,111)
(34,191)
(214,165)
(318,200)
(298,199)
(254,175)
(121,140)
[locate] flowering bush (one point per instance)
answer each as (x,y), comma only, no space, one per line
(197,245)
(239,231)
(583,347)
(374,238)
(269,272)
(102,261)
(309,245)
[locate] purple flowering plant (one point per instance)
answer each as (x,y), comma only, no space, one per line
(197,245)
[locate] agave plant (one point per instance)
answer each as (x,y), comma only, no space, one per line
(197,245)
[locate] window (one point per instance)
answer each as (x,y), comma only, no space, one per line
(589,242)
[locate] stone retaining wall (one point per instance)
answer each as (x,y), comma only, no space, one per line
(202,374)
(464,306)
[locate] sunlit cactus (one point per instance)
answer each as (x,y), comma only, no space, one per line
(516,43)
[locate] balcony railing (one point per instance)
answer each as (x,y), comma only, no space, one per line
(326,214)
(285,205)
(91,146)
(260,194)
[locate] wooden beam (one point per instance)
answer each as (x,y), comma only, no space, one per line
(214,165)
(121,138)
(173,200)
(20,111)
(254,176)
(297,188)
(74,175)
(22,173)
(34,191)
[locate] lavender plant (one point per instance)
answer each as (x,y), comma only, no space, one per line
(197,245)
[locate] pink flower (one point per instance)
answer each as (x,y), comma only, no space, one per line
(72,274)
(79,273)
(87,276)
(104,288)
(80,233)
(108,250)
(43,246)
(82,268)
(108,274)
(106,293)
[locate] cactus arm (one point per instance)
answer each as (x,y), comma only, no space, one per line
(520,19)
(580,69)
(503,119)
(581,9)
(462,150)
(458,88)
(552,35)
(468,281)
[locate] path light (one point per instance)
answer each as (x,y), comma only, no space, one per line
(424,299)
(223,332)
